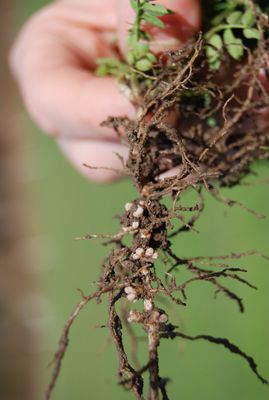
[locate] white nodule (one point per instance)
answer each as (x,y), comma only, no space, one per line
(139,251)
(131,293)
(138,212)
(135,224)
(149,252)
(131,297)
(148,305)
(128,206)
(133,316)
(163,318)
(129,289)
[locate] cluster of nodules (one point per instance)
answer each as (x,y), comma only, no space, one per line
(144,219)
(135,212)
(150,314)
(156,316)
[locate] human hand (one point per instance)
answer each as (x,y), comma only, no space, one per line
(54,59)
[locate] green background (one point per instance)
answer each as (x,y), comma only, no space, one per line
(62,205)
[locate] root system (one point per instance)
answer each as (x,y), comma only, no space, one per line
(196,130)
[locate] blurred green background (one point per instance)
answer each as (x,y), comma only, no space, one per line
(62,205)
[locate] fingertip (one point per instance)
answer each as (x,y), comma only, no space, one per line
(102,159)
(100,98)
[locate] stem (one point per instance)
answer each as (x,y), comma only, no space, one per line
(137,22)
(153,342)
(221,28)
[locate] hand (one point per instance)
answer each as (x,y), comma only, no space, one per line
(54,59)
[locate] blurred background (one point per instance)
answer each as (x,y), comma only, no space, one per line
(45,204)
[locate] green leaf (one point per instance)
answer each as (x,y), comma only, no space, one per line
(234,17)
(213,58)
(211,53)
(102,71)
(108,62)
(130,58)
(156,9)
(134,5)
(111,66)
(207,99)
(140,50)
(216,41)
(248,19)
(234,45)
(215,65)
(251,33)
(143,65)
(229,37)
(132,40)
(153,20)
(211,122)
(151,57)
(236,51)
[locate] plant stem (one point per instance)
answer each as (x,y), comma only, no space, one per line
(153,343)
(221,27)
(137,22)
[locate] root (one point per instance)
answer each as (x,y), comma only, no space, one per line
(64,340)
(223,342)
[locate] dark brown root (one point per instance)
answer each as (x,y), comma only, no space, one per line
(223,342)
(64,340)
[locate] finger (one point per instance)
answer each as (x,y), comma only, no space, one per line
(54,62)
(100,155)
(179,27)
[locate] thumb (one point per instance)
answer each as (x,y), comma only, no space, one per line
(179,27)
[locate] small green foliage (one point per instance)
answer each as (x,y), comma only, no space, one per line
(207,99)
(251,33)
(139,54)
(144,64)
(216,41)
(215,45)
(111,66)
(248,18)
(139,58)
(233,45)
(233,23)
(235,17)
(211,122)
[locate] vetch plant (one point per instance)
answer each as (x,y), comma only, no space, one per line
(199,126)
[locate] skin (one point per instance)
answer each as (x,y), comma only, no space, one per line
(53,61)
